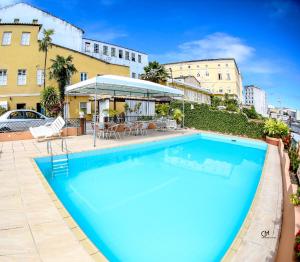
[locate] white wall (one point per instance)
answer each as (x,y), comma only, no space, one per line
(65,34)
(135,67)
(256,97)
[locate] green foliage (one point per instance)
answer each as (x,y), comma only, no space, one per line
(2,110)
(126,107)
(137,107)
(276,128)
(216,101)
(251,113)
(50,100)
(111,112)
(162,110)
(294,199)
(44,45)
(231,103)
(61,70)
(204,118)
(155,72)
(177,115)
(294,159)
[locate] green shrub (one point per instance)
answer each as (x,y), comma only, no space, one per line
(177,115)
(276,128)
(294,199)
(294,159)
(204,118)
(2,110)
(251,113)
(162,109)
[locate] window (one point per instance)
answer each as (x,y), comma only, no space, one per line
(139,58)
(40,76)
(105,50)
(133,57)
(96,48)
(85,107)
(126,55)
(220,90)
(3,77)
(16,20)
(133,75)
(198,75)
(87,46)
(219,76)
(32,115)
(113,51)
(83,76)
(18,114)
(228,76)
(120,53)
(22,77)
(25,40)
(189,66)
(6,39)
(207,73)
(35,21)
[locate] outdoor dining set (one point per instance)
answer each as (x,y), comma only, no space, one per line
(108,130)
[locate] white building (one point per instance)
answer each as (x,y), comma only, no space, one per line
(66,34)
(298,115)
(70,36)
(114,54)
(255,96)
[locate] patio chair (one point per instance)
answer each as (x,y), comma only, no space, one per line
(48,131)
(144,128)
(171,124)
(115,130)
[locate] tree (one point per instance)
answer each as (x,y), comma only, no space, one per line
(251,113)
(62,70)
(50,100)
(155,72)
(44,45)
(216,101)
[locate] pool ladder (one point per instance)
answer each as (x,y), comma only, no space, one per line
(59,164)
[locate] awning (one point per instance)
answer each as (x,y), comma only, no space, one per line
(120,86)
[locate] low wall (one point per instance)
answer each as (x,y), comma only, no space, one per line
(25,135)
(291,214)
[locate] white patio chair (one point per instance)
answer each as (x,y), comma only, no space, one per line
(48,131)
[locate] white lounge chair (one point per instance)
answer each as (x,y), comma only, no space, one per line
(48,131)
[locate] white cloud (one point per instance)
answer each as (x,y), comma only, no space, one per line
(216,45)
(220,45)
(7,2)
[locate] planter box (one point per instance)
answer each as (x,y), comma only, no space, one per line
(272,140)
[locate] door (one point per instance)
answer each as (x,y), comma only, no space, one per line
(38,107)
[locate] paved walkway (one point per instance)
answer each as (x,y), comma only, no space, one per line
(32,228)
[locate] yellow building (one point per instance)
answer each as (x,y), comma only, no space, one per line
(21,68)
(220,76)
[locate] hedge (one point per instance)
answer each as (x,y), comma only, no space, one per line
(204,118)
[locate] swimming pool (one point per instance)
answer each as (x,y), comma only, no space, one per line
(180,199)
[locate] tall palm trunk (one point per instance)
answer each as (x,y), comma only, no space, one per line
(45,66)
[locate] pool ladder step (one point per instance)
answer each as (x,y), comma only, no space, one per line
(60,165)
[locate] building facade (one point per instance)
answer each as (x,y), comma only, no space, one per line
(219,76)
(70,36)
(114,54)
(21,68)
(193,92)
(255,96)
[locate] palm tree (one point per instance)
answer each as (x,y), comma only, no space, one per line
(44,45)
(62,70)
(155,72)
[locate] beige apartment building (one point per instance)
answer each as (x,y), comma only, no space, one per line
(220,76)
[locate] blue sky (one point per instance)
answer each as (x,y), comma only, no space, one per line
(263,35)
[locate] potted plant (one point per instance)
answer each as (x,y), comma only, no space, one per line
(178,116)
(274,130)
(297,246)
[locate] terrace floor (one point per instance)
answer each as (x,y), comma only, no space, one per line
(34,226)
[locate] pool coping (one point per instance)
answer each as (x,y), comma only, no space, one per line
(97,255)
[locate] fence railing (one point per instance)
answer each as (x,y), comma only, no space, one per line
(24,125)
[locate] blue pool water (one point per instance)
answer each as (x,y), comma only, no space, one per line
(181,199)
